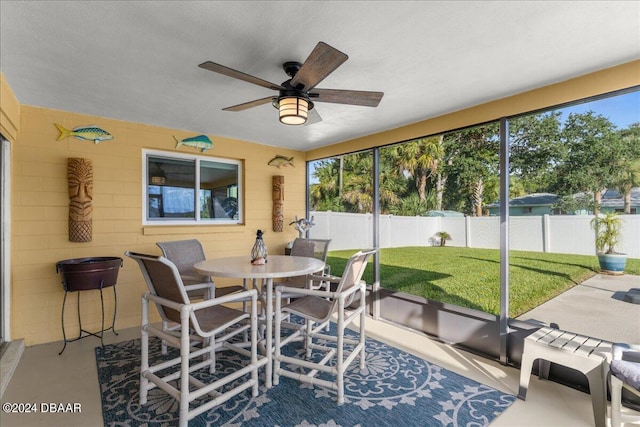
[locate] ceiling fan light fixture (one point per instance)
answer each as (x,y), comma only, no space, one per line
(293,110)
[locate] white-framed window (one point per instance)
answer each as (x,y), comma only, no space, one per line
(183,189)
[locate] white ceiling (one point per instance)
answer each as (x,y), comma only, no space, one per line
(138,60)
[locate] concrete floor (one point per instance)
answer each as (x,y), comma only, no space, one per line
(42,376)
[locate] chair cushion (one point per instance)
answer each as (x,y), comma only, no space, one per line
(631,356)
(628,372)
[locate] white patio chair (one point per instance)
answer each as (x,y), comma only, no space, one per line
(313,248)
(209,320)
(184,254)
(625,375)
(317,308)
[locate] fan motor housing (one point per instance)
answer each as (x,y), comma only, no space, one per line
(291,68)
(290,91)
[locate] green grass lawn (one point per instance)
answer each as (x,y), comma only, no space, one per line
(471,277)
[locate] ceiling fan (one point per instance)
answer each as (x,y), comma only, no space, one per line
(297,95)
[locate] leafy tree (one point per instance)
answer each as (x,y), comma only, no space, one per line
(412,205)
(394,184)
(323,195)
(472,160)
(535,148)
(592,153)
(460,170)
(357,193)
(573,204)
(420,158)
(627,170)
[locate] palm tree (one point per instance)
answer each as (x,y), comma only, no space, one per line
(443,236)
(323,195)
(629,177)
(627,171)
(473,161)
(357,182)
(421,158)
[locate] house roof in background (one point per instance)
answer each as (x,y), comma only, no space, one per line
(610,198)
(613,198)
(533,199)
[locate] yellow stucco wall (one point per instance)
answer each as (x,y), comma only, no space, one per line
(9,111)
(40,207)
(592,84)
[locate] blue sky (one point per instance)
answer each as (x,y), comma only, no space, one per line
(621,110)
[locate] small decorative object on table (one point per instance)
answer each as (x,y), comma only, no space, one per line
(259,250)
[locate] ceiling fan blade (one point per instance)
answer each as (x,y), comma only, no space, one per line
(351,97)
(250,104)
(313,117)
(221,69)
(322,61)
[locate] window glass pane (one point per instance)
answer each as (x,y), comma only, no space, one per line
(567,166)
(171,188)
(218,190)
(341,204)
(438,240)
(184,189)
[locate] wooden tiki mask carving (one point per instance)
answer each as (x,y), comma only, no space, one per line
(278,202)
(80,181)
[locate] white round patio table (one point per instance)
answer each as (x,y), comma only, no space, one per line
(277,266)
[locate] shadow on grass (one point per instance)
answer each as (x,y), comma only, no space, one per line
(548,261)
(547,272)
(411,281)
(585,266)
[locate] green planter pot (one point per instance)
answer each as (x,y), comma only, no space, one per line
(612,263)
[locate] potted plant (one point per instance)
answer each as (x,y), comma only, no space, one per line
(607,228)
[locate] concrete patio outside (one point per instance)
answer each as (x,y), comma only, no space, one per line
(594,308)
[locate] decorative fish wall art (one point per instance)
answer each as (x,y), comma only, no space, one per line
(201,142)
(85,133)
(280,161)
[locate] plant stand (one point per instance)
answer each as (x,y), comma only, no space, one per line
(85,274)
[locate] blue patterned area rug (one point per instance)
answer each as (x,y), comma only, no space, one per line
(395,389)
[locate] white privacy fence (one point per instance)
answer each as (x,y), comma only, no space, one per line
(571,234)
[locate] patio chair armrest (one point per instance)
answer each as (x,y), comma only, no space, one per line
(303,292)
(203,285)
(243,296)
(360,286)
(210,288)
(325,278)
(189,277)
(163,301)
(318,293)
